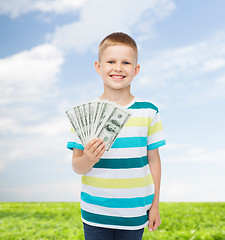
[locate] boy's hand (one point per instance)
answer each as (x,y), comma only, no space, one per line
(154,218)
(94,149)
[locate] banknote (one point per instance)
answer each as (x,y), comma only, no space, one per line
(80,120)
(74,122)
(93,106)
(112,125)
(100,105)
(90,111)
(99,118)
(106,110)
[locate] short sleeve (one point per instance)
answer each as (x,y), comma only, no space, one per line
(74,141)
(156,136)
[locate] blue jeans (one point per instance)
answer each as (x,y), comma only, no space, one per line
(99,233)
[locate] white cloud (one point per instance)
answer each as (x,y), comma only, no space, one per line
(201,156)
(171,64)
(99,18)
(179,64)
(52,192)
(29,123)
(25,140)
(30,132)
(27,75)
(14,8)
(191,173)
(189,153)
(50,127)
(201,190)
(193,74)
(218,88)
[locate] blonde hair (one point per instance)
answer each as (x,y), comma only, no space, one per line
(117,38)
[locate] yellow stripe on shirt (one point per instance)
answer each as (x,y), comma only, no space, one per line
(138,122)
(155,128)
(118,182)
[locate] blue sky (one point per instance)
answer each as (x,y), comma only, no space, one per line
(47,54)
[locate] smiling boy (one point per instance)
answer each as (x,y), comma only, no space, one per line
(120,188)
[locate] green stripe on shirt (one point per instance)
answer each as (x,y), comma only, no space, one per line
(140,105)
(112,220)
(118,163)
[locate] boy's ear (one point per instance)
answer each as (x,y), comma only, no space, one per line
(97,67)
(137,68)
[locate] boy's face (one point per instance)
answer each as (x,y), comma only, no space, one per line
(117,66)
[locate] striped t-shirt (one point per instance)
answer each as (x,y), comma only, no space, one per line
(118,191)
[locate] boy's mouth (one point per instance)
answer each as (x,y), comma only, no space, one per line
(117,76)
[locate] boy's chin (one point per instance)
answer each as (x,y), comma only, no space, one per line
(118,86)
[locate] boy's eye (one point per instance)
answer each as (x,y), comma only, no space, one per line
(110,61)
(126,63)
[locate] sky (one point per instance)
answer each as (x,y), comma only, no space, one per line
(47,54)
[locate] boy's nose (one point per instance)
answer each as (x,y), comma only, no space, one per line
(118,67)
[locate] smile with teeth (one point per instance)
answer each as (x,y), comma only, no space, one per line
(117,76)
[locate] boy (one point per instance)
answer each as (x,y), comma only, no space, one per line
(120,188)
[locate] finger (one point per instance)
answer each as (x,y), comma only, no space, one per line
(150,225)
(157,223)
(90,143)
(99,148)
(101,152)
(155,227)
(95,145)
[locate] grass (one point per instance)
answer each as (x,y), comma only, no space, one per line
(61,221)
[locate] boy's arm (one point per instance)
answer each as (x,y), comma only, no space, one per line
(155,168)
(84,160)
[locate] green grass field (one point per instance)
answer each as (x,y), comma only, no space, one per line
(47,221)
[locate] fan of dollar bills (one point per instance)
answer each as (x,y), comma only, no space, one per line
(100,118)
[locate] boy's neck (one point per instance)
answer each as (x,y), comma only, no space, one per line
(122,98)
